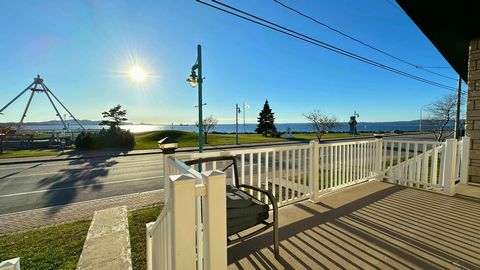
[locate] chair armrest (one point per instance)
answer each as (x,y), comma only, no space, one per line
(266,192)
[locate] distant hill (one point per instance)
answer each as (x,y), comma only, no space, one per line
(54,122)
(57,122)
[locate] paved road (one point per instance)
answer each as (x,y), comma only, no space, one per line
(37,185)
(44,184)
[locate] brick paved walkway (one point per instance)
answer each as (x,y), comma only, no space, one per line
(43,217)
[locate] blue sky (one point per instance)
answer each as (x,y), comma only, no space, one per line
(84,49)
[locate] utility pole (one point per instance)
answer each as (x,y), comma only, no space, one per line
(457,115)
(421,117)
(420,124)
(244,117)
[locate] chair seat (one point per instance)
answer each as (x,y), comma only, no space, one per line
(243,210)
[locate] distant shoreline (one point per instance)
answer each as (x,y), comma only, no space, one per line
(372,127)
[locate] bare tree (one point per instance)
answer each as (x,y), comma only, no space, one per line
(321,123)
(209,124)
(439,114)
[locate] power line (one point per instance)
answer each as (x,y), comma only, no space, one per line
(362,42)
(436,67)
(308,39)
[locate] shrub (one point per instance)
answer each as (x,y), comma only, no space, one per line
(106,138)
(84,140)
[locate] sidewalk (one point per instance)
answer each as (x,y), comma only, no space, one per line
(49,216)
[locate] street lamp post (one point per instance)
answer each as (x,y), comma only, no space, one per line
(237,111)
(195,81)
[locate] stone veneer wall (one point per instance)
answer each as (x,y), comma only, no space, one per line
(473,110)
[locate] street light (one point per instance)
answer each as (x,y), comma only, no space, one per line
(237,111)
(195,81)
(192,79)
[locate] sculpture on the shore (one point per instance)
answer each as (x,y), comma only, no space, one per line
(353,123)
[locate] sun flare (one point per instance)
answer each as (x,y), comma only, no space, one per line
(137,74)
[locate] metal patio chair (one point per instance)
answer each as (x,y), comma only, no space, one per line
(244,211)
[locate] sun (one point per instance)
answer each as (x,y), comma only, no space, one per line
(137,74)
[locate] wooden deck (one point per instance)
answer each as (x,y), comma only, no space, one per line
(370,226)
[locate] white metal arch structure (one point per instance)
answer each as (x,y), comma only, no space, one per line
(39,86)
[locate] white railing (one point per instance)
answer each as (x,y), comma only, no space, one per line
(195,205)
(194,208)
(427,165)
(339,165)
(284,171)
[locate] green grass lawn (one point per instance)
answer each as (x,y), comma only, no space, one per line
(57,247)
(312,136)
(136,225)
(148,140)
(29,153)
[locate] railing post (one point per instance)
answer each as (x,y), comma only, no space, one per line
(215,220)
(464,160)
(168,147)
(149,253)
(166,178)
(314,172)
(448,175)
(378,159)
(182,198)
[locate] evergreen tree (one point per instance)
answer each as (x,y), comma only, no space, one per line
(266,121)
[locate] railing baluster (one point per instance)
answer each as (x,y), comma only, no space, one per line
(392,153)
(350,162)
(252,164)
(425,165)
(337,165)
(287,172)
(343,179)
(434,180)
(362,160)
(259,174)
(384,157)
(266,177)
(415,159)
(407,157)
(299,172)
(274,173)
(399,160)
(242,161)
(293,173)
(280,182)
(305,190)
(330,152)
(321,158)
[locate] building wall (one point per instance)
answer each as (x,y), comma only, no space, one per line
(473,110)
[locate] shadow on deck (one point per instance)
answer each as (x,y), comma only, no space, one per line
(370,226)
